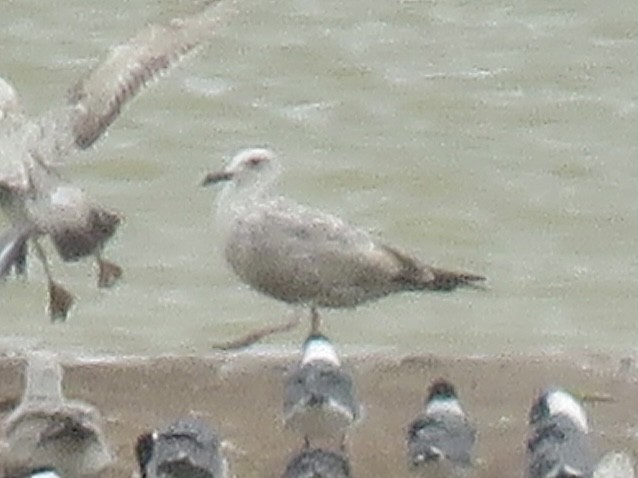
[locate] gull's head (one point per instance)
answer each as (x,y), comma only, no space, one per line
(442,398)
(555,401)
(317,348)
(248,167)
(441,389)
(9,100)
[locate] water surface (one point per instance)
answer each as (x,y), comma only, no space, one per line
(490,137)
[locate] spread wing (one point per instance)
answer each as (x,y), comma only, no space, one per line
(97,99)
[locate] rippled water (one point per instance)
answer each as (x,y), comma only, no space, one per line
(487,136)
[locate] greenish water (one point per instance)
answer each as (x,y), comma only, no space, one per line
(491,137)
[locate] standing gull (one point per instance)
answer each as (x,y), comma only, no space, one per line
(441,439)
(36,199)
(559,444)
(304,256)
(319,397)
(47,430)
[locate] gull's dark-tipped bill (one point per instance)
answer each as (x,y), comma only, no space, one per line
(216,177)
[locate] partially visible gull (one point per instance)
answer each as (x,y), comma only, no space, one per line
(37,200)
(48,431)
(319,397)
(318,463)
(441,439)
(559,443)
(187,448)
(39,472)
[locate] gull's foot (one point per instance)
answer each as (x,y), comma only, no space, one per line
(60,301)
(257,335)
(109,273)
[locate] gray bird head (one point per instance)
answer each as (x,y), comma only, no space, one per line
(555,401)
(317,347)
(442,398)
(249,167)
(441,389)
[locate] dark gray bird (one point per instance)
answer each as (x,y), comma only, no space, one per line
(317,463)
(319,397)
(188,448)
(304,256)
(559,444)
(49,431)
(34,196)
(441,439)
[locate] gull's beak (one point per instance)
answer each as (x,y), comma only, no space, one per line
(218,177)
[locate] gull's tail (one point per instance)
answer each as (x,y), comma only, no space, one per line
(414,275)
(449,280)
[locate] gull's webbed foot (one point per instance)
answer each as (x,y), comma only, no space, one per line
(60,302)
(109,273)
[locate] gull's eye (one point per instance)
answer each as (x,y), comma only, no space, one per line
(254,161)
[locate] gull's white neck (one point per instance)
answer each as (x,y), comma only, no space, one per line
(560,402)
(320,350)
(446,406)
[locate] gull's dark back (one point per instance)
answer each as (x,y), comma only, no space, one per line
(317,463)
(188,448)
(557,445)
(435,438)
(318,381)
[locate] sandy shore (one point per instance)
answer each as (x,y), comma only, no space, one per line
(241,396)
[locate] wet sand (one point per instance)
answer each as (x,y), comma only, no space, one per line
(241,396)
